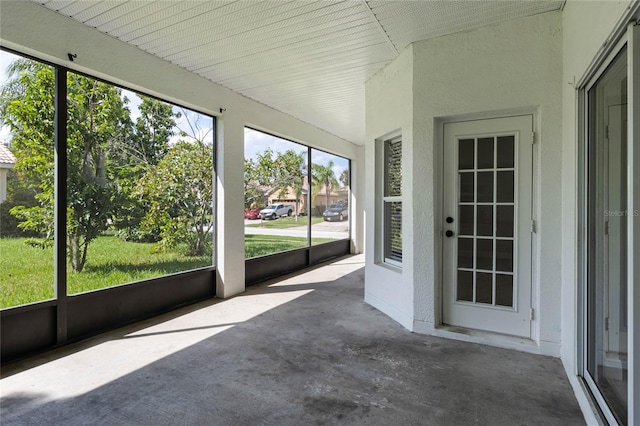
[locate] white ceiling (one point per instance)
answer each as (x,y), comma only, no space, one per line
(306,58)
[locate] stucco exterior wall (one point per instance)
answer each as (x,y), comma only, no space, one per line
(32,29)
(505,69)
(389,112)
(498,70)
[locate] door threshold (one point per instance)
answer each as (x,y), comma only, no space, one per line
(499,340)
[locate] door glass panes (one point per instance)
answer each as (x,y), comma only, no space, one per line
(504,220)
(467,188)
(276,194)
(607,328)
(504,290)
(504,255)
(26,181)
(465,252)
(484,254)
(505,186)
(329,197)
(505,155)
(486,221)
(466,154)
(485,153)
(466,219)
(485,187)
(139,187)
(484,288)
(464,287)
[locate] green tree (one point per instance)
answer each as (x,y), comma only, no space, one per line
(323,176)
(19,193)
(144,147)
(289,172)
(253,191)
(153,129)
(97,122)
(179,190)
(27,107)
(274,171)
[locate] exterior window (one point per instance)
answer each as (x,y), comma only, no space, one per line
(392,201)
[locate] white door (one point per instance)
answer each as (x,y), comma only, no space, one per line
(487,224)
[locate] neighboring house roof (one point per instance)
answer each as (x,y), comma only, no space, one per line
(7,159)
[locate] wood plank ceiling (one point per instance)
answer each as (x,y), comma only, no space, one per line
(306,58)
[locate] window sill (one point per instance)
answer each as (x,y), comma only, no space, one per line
(393,267)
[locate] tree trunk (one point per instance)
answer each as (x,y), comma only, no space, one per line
(83,259)
(73,243)
(326,195)
(77,251)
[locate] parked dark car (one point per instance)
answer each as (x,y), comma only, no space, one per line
(337,212)
(253,213)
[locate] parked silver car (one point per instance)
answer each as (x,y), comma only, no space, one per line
(274,211)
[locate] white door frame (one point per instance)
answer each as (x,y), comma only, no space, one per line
(485,124)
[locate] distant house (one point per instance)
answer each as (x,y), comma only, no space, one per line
(288,197)
(7,160)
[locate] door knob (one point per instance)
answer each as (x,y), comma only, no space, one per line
(449,233)
(449,219)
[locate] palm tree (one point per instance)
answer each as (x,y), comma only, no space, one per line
(344,177)
(323,175)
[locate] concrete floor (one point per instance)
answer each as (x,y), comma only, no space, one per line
(305,350)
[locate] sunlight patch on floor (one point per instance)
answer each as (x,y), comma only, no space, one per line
(96,366)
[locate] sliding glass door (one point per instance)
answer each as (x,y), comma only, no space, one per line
(608,210)
(610,230)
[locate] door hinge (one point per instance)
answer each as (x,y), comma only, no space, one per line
(606,323)
(606,227)
(533,226)
(533,138)
(531,314)
(606,132)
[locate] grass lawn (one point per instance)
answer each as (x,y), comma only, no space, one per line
(285,222)
(27,272)
(260,245)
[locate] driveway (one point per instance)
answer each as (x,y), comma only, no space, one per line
(333,230)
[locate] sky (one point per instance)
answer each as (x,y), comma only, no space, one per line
(254,141)
(5,60)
